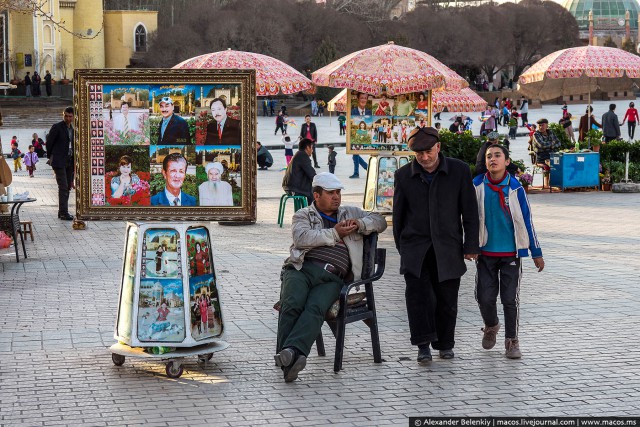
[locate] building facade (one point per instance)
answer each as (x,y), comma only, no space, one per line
(70,34)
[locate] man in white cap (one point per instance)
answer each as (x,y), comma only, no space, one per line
(326,252)
(214,191)
(173,129)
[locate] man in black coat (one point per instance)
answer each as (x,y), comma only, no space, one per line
(47,82)
(224,130)
(433,203)
(299,175)
(173,129)
(308,130)
(60,154)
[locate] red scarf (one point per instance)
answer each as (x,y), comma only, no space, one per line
(494,185)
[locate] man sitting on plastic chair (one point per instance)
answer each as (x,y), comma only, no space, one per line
(545,142)
(326,251)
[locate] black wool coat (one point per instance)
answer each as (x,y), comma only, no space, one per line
(58,143)
(452,212)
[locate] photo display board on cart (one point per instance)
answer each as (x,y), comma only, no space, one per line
(165,144)
(383,123)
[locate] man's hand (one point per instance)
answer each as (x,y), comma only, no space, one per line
(351,222)
(344,228)
(471,257)
(539,262)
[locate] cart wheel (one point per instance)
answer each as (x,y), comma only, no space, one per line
(172,371)
(117,359)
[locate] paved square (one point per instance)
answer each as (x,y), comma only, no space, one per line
(579,329)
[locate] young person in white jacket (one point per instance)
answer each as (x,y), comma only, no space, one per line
(506,235)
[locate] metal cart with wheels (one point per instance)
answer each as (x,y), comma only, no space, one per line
(169,296)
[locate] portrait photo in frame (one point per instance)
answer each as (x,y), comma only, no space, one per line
(382,123)
(165,144)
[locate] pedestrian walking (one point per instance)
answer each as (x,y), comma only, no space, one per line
(288,148)
(27,85)
(357,162)
(506,236)
(30,160)
(47,82)
(524,110)
(433,202)
(309,131)
(610,124)
(566,123)
(280,124)
(332,159)
(16,155)
(342,123)
(632,115)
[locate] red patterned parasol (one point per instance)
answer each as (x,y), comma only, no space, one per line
(388,68)
(579,70)
(272,75)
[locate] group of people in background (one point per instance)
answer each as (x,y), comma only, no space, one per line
(33,83)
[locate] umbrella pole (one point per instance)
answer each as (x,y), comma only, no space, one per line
(589,116)
(430,103)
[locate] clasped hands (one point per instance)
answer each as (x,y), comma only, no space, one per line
(346,227)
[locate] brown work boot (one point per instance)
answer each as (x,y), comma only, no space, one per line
(489,338)
(513,348)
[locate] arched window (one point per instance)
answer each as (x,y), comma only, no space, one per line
(140,39)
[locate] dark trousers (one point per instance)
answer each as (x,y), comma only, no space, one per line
(332,168)
(64,179)
(524,118)
(281,127)
(499,275)
(305,297)
(313,155)
(432,306)
(632,129)
(610,138)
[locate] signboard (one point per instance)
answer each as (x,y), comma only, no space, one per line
(382,124)
(165,144)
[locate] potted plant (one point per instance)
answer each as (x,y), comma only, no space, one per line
(62,59)
(526,180)
(605,181)
(594,139)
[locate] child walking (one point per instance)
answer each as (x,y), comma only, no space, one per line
(513,127)
(16,156)
(288,148)
(30,160)
(506,235)
(332,159)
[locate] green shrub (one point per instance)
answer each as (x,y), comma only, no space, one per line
(462,146)
(616,151)
(559,131)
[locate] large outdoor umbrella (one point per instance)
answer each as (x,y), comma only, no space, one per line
(457,101)
(339,102)
(272,76)
(579,70)
(388,68)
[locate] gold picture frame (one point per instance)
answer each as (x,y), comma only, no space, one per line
(165,144)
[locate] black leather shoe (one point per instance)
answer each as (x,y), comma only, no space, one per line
(424,356)
(66,217)
(446,354)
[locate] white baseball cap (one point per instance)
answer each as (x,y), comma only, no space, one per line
(328,181)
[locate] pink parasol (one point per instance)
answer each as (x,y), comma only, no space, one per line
(457,101)
(388,68)
(272,76)
(580,70)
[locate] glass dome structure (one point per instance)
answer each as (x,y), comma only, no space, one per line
(607,14)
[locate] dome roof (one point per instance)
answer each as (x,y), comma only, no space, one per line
(607,14)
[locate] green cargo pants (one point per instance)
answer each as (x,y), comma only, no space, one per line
(305,297)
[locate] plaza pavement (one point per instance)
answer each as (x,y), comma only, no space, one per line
(579,327)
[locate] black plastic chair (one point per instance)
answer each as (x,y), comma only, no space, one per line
(372,270)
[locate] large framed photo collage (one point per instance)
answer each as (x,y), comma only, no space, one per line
(165,144)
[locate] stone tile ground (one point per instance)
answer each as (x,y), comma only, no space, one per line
(579,327)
